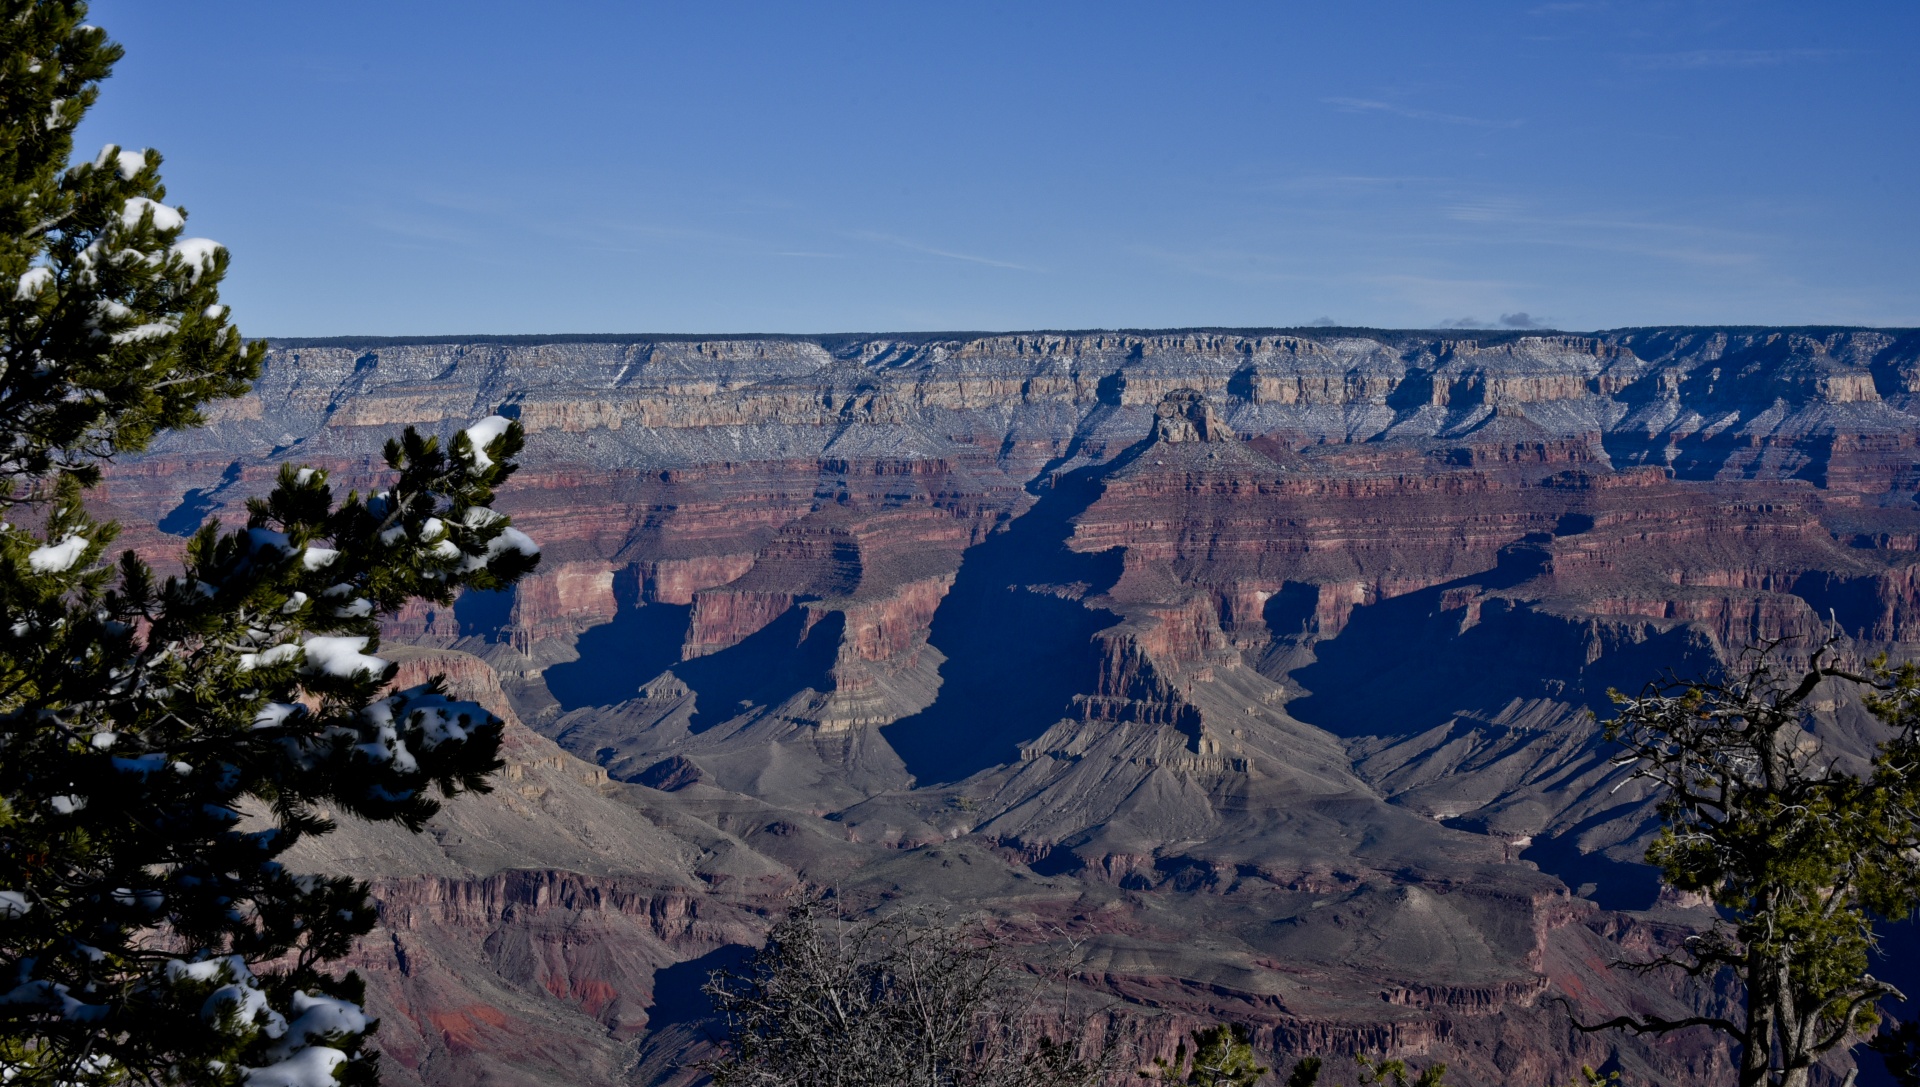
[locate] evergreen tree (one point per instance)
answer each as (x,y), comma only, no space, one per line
(1375,1073)
(1803,857)
(1222,1057)
(164,741)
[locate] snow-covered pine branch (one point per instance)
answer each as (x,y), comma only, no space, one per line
(148,931)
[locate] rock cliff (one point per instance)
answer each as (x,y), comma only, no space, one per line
(1265,663)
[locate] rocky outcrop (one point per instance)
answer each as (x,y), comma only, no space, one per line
(1187,416)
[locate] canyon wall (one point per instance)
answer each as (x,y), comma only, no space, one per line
(1262,664)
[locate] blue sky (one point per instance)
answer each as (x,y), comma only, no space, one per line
(421,168)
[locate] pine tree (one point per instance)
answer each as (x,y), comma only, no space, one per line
(1222,1057)
(164,741)
(1803,857)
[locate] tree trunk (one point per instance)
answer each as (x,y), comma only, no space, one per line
(1756,1049)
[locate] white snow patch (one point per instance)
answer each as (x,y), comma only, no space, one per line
(341,656)
(55,558)
(482,434)
(198,253)
(267,658)
(131,163)
(512,539)
(152,330)
(317,557)
(164,217)
(317,1016)
(244,1003)
(13,904)
(311,1067)
(32,282)
(47,994)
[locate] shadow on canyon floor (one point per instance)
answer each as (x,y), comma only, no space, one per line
(1406,664)
(1615,885)
(484,614)
(764,669)
(1018,641)
(641,642)
(679,991)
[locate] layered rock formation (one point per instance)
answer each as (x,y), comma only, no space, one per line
(1262,663)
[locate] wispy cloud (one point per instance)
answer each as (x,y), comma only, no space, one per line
(1680,241)
(1369,105)
(1727,58)
(1522,319)
(948,254)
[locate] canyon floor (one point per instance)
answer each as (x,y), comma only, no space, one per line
(1262,668)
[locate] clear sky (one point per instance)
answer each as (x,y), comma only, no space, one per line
(406,167)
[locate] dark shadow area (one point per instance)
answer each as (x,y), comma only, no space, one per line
(1404,665)
(1057,861)
(186,518)
(1018,642)
(641,642)
(1414,392)
(677,995)
(1617,885)
(1703,459)
(1897,963)
(1853,602)
(484,614)
(765,669)
(1573,524)
(1291,611)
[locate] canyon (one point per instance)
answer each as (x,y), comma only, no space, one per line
(1264,668)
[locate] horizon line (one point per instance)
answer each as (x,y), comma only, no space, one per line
(822,338)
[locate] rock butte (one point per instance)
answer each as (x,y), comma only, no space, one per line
(1261,662)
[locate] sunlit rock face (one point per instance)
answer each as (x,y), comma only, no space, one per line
(1265,664)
